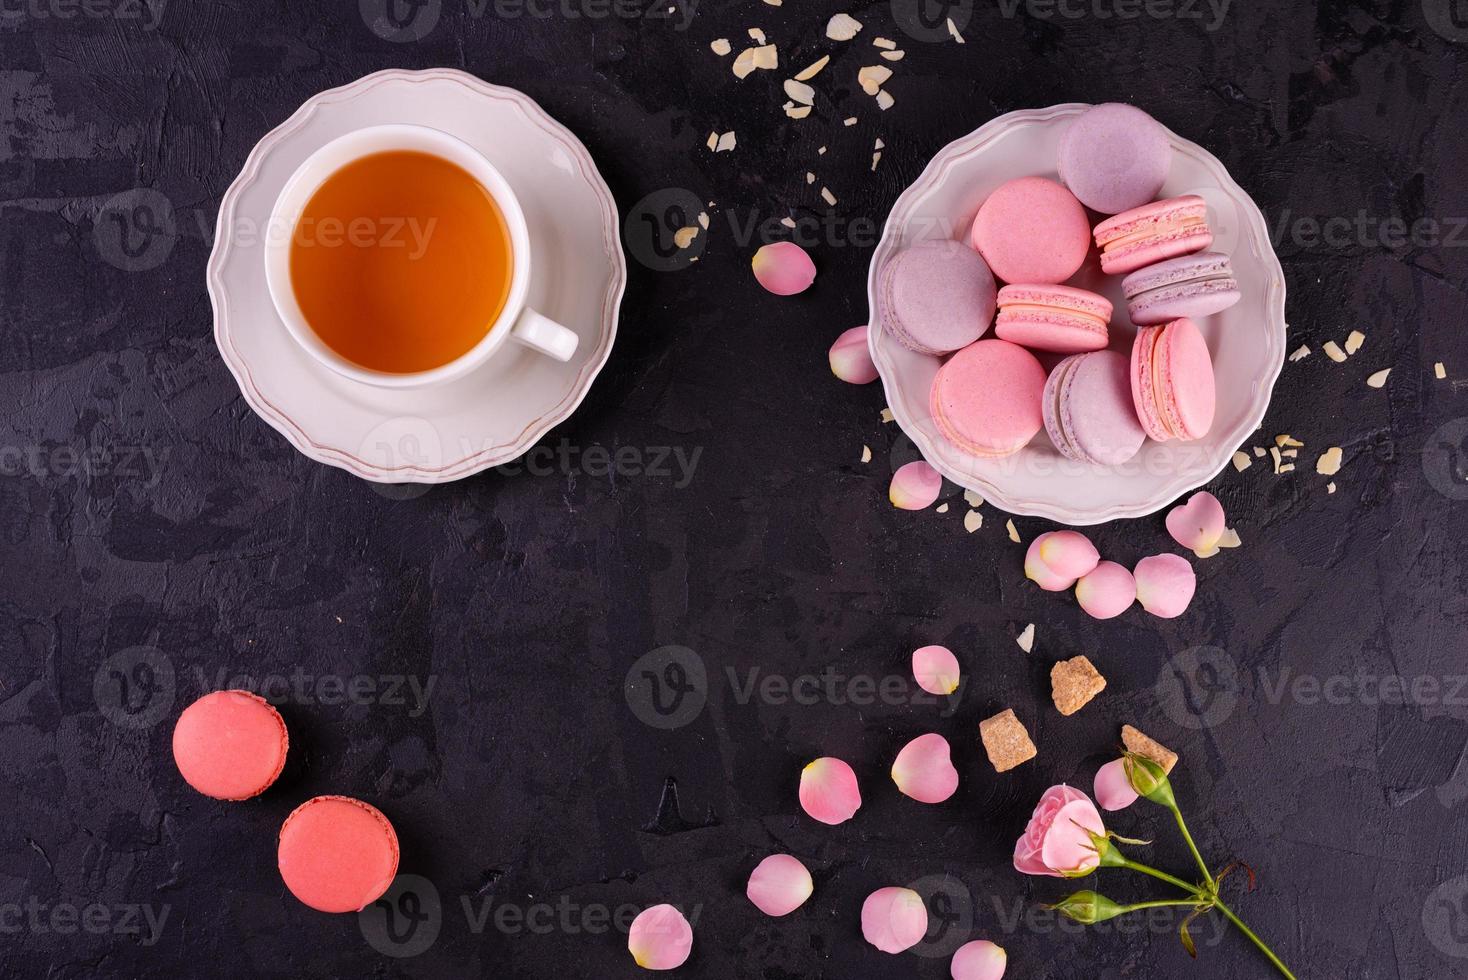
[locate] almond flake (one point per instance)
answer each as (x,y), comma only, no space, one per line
(1026,638)
(1242,461)
(757,36)
(882,42)
(973,498)
(848,121)
(842,27)
(810,178)
(774,3)
(788,222)
(894,55)
(1273,451)
(1229,539)
(885,100)
(1258,452)
(1329,463)
(1288,440)
(744,64)
(1289,453)
(1013,534)
(1300,353)
(1354,341)
(1334,352)
(1330,487)
(953,30)
(767,57)
(876,159)
(797,111)
(1379,378)
(684,237)
(942,509)
(871,78)
(878,144)
(821,151)
(721,47)
(972,521)
(703,220)
(886,415)
(727,142)
(1440,371)
(713,140)
(866,454)
(800,92)
(828,197)
(813,70)
(1287,468)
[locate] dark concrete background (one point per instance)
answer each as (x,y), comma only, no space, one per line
(157,540)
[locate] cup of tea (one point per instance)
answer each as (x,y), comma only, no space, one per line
(398,256)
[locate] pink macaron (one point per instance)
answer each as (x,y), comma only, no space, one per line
(230,745)
(1032,230)
(1172,381)
(1188,286)
(1089,411)
(986,398)
(1152,233)
(1114,157)
(1062,319)
(337,854)
(937,297)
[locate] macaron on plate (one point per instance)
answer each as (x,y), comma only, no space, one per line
(1162,269)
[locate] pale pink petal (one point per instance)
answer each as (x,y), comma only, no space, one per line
(1056,559)
(783,268)
(779,885)
(660,938)
(1113,787)
(828,791)
(1108,591)
(1030,856)
(894,919)
(924,769)
(1165,585)
(979,960)
(851,358)
(936,669)
(1198,524)
(915,486)
(1068,847)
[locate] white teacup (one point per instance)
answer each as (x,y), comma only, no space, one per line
(516,321)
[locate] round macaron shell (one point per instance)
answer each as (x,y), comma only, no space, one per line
(1114,157)
(1089,412)
(1189,286)
(1189,397)
(1060,319)
(938,297)
(1153,233)
(1032,230)
(230,745)
(337,854)
(1144,394)
(986,398)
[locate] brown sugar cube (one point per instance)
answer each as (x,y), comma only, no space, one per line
(1136,742)
(1073,683)
(1006,741)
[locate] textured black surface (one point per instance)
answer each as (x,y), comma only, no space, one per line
(142,505)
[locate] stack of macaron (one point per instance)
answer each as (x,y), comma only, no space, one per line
(992,395)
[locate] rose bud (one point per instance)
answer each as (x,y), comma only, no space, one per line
(1149,779)
(1088,908)
(1059,840)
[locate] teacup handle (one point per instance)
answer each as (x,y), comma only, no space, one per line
(545,335)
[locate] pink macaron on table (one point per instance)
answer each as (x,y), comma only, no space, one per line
(1074,483)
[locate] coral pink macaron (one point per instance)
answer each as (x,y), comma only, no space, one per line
(937,297)
(1090,414)
(986,398)
(337,854)
(1032,230)
(1172,381)
(230,745)
(1152,233)
(1061,319)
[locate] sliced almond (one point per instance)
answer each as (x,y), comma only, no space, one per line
(878,144)
(800,92)
(767,57)
(797,111)
(1026,638)
(828,197)
(757,36)
(953,31)
(1329,463)
(1013,534)
(972,521)
(866,454)
(1439,371)
(1300,353)
(721,46)
(876,159)
(894,55)
(1354,341)
(871,78)
(727,142)
(886,415)
(703,220)
(1274,452)
(973,498)
(1286,440)
(1258,452)
(1379,378)
(684,237)
(942,508)
(821,151)
(713,141)
(1242,461)
(813,70)
(842,27)
(885,100)
(882,42)
(1330,487)
(810,178)
(1229,539)
(1334,352)
(849,121)
(744,64)
(788,222)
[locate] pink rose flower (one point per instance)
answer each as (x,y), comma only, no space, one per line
(1057,841)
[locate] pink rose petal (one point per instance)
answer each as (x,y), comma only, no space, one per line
(1057,840)
(1165,585)
(1198,524)
(936,669)
(979,960)
(828,791)
(1108,591)
(783,268)
(915,486)
(894,919)
(1057,558)
(660,938)
(851,358)
(1113,787)
(924,769)
(779,885)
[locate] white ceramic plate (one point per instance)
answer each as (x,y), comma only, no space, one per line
(1247,341)
(491,415)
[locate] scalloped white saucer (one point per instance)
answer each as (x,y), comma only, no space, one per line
(1247,341)
(491,415)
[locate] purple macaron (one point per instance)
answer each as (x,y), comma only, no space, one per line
(1192,286)
(937,297)
(1088,409)
(1115,157)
